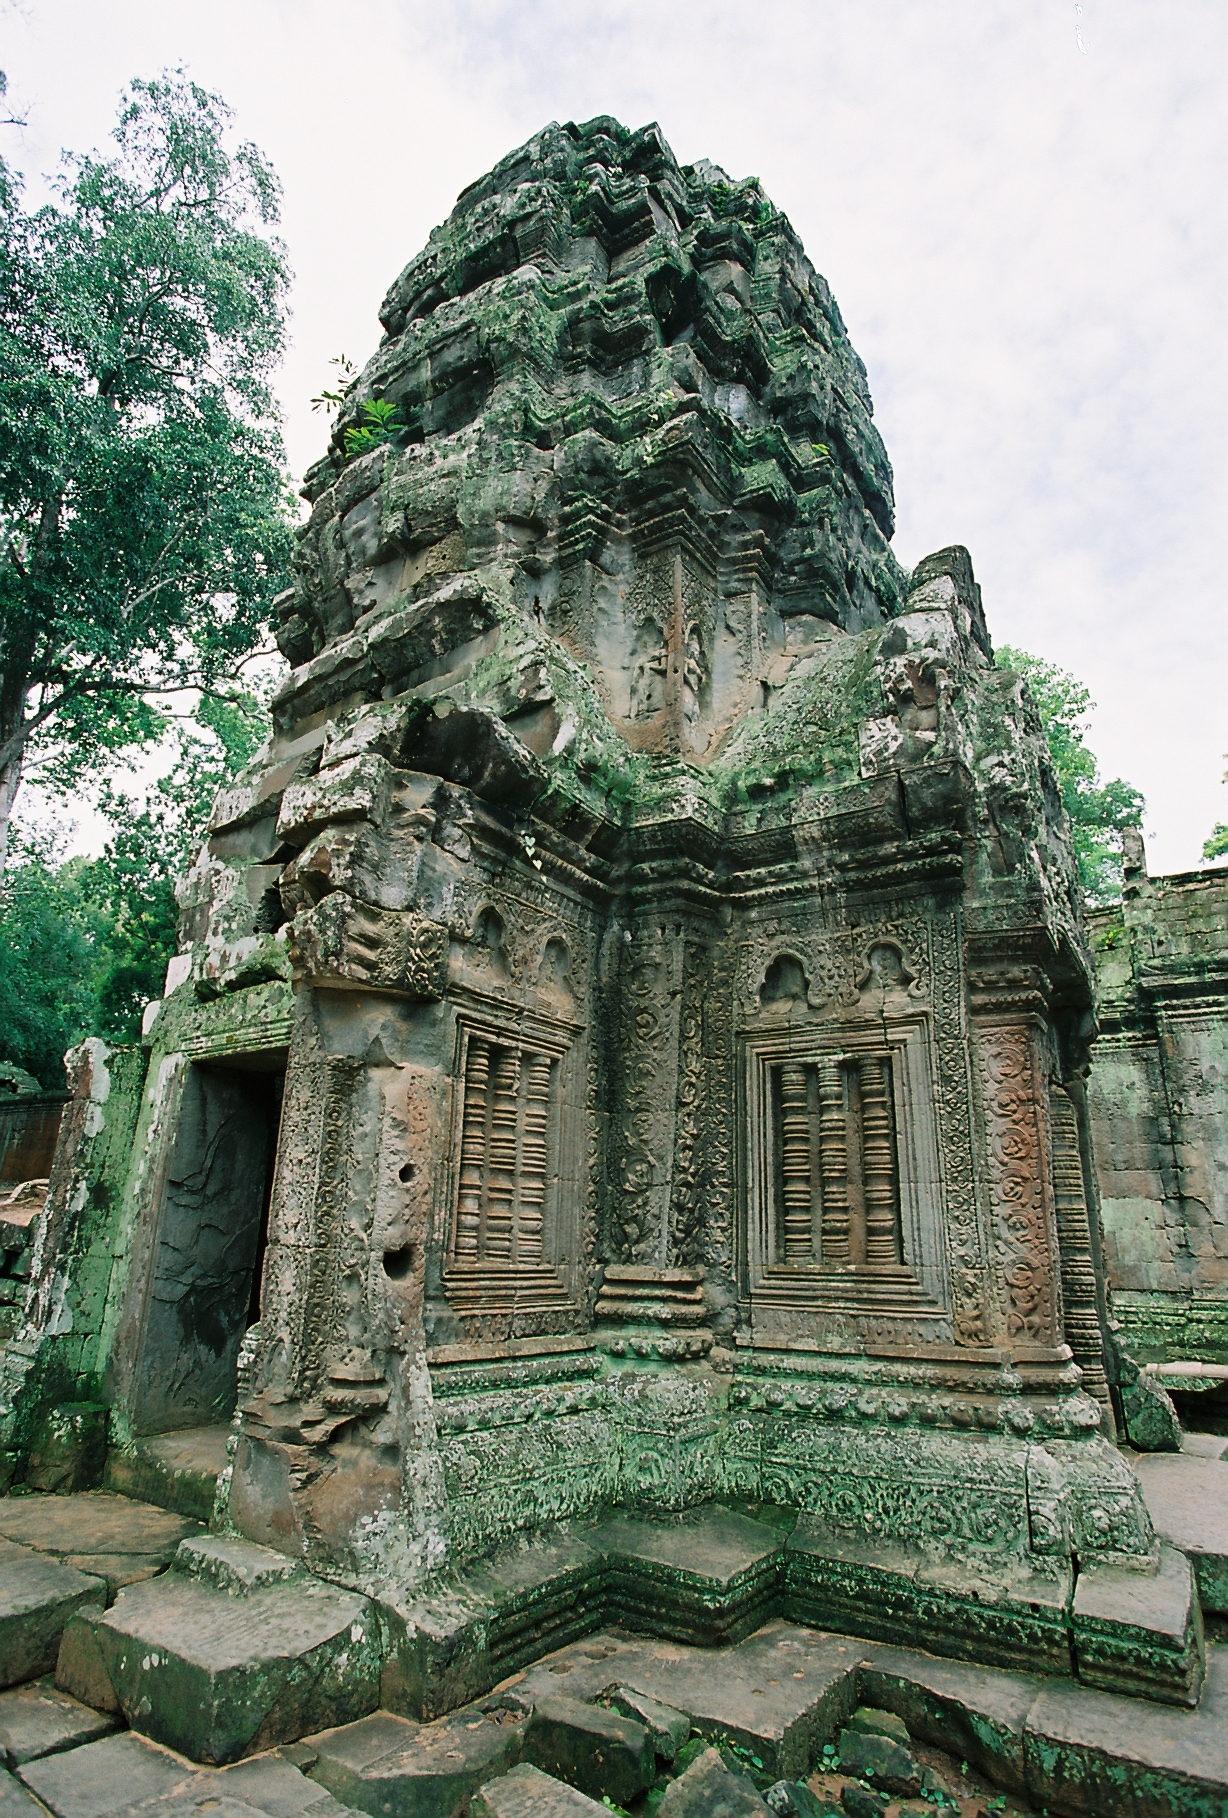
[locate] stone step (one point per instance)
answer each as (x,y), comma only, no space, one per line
(1135,1632)
(176,1471)
(222,1673)
(1187,1498)
(37,1597)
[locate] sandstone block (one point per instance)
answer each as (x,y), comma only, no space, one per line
(668,1728)
(104,1777)
(709,1790)
(385,1763)
(528,1793)
(37,1719)
(37,1597)
(591,1748)
(879,1758)
(1140,1633)
(218,1677)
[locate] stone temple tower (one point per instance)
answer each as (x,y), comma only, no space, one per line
(626,1048)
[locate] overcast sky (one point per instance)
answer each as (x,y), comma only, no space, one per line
(1021,205)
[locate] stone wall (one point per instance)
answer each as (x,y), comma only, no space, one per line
(1158,1100)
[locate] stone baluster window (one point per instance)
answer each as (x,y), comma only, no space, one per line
(836,1161)
(504,1156)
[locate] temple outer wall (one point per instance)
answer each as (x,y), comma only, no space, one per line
(1158,1105)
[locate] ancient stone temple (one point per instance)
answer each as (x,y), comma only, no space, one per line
(624,1071)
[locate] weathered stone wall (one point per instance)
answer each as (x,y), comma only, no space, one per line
(1158,1099)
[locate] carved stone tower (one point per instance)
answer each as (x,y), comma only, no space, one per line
(664,915)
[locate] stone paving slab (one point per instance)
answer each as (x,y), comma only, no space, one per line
(219,1676)
(16,1802)
(38,1595)
(1187,1498)
(105,1777)
(37,1719)
(107,1536)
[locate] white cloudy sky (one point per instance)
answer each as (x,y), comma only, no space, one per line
(1022,209)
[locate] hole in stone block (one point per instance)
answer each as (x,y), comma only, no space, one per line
(400,1264)
(406,1172)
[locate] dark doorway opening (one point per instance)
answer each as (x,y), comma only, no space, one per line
(204,1285)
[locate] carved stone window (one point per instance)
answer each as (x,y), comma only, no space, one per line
(513,1233)
(841,1175)
(505,1130)
(836,1161)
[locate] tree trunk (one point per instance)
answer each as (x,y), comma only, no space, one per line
(10,779)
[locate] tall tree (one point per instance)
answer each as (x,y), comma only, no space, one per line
(1099,812)
(144,522)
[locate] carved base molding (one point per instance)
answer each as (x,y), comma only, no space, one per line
(646,1312)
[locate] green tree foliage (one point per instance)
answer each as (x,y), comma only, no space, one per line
(50,931)
(1099,812)
(84,943)
(144,523)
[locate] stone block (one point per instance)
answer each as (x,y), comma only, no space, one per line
(79,1667)
(868,1721)
(881,1759)
(794,1799)
(709,1790)
(37,1719)
(668,1728)
(779,1694)
(1089,1753)
(977,1712)
(235,1566)
(385,1763)
(219,1676)
(1187,1499)
(69,1449)
(505,1611)
(15,1801)
(1140,1633)
(528,1793)
(37,1597)
(176,1471)
(591,1748)
(271,1785)
(105,1777)
(889,1593)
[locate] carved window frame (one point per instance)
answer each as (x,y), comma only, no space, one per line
(526,1032)
(906,1038)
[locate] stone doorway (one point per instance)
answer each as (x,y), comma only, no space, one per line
(203,1289)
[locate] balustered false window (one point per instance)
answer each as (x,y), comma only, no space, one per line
(506,1132)
(837,1178)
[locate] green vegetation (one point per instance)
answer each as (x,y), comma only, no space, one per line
(1217,846)
(84,943)
(144,522)
(1099,812)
